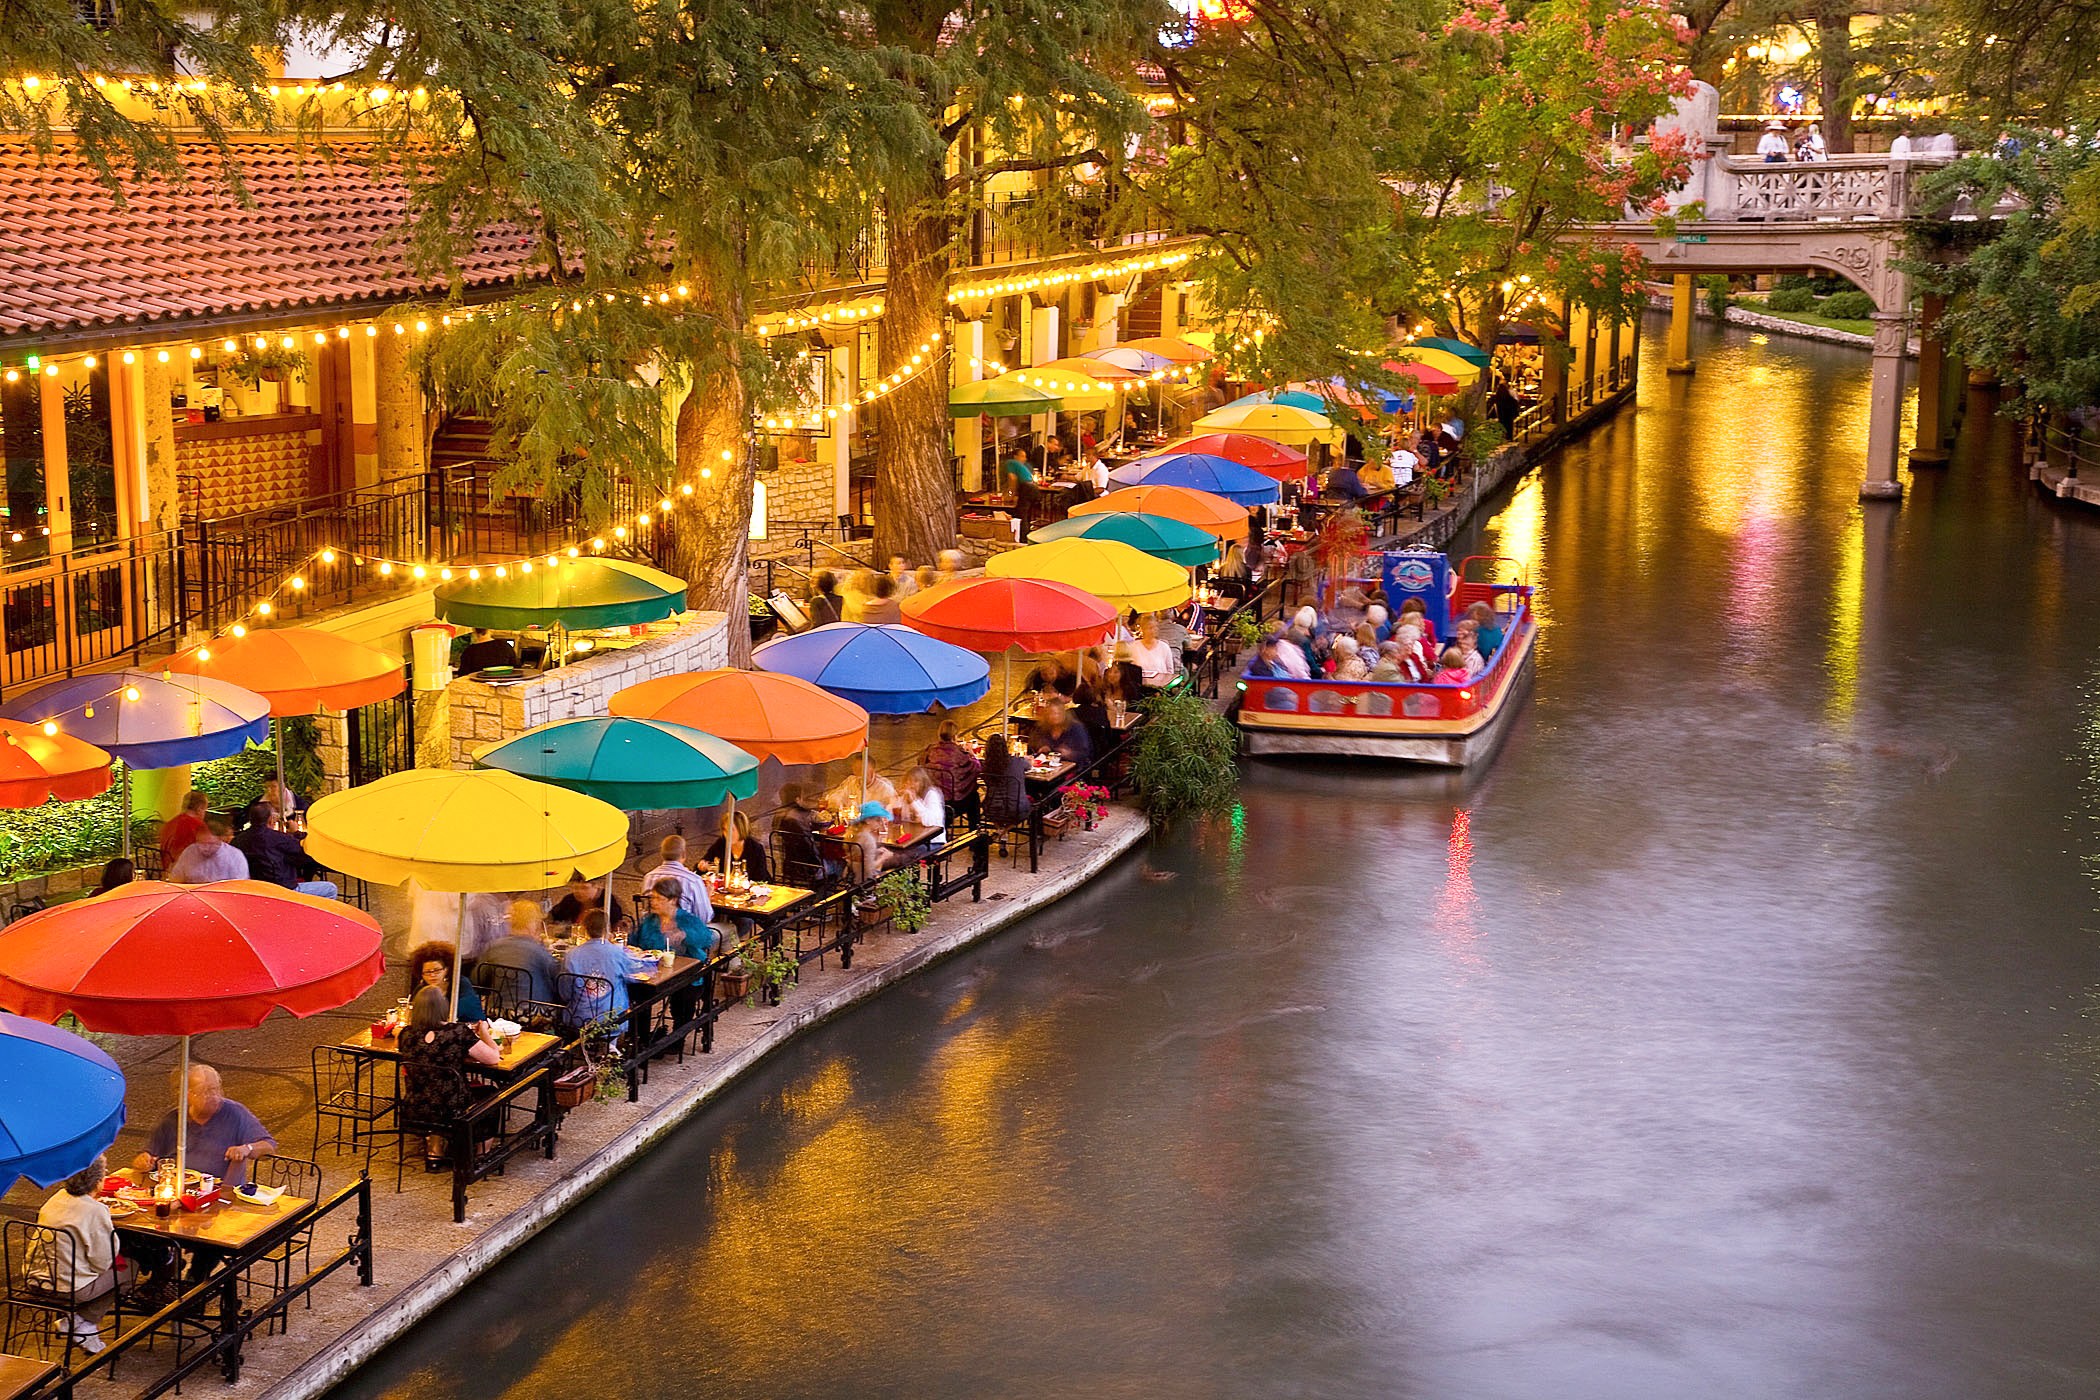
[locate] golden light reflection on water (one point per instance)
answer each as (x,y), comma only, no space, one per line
(1847,598)
(1519,532)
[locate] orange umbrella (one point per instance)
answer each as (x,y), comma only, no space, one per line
(765,714)
(36,767)
(298,669)
(1198,508)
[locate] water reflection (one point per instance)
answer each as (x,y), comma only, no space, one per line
(1729,1036)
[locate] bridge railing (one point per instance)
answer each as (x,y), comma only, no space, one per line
(1840,189)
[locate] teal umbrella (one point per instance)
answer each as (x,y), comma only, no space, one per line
(580,594)
(637,765)
(1471,354)
(1156,535)
(1288,398)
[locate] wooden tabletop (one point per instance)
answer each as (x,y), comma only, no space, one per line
(905,835)
(671,971)
(228,1225)
(525,1047)
(20,1374)
(1057,773)
(778,897)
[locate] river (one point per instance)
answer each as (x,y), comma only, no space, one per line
(1732,1035)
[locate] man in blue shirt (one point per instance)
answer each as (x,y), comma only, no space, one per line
(665,921)
(522,949)
(610,965)
(223,1138)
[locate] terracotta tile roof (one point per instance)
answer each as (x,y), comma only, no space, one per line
(313,235)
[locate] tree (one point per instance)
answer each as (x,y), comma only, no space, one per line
(1000,88)
(1533,144)
(715,159)
(1285,124)
(2024,291)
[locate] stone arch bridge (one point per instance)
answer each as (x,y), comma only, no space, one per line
(1846,216)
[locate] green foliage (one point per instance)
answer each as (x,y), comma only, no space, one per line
(253,365)
(302,754)
(906,899)
(772,971)
(1718,296)
(1187,761)
(66,835)
(2025,301)
(1247,629)
(1791,299)
(1846,306)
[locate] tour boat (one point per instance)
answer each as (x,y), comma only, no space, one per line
(1446,725)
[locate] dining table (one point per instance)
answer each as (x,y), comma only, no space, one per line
(225,1227)
(19,1375)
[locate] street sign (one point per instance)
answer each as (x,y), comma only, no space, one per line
(1691,238)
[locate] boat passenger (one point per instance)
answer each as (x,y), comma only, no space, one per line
(1484,620)
(1348,661)
(1417,661)
(1381,622)
(1466,637)
(1417,612)
(1294,654)
(1266,663)
(1453,671)
(1387,671)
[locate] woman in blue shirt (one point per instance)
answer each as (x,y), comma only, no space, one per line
(665,919)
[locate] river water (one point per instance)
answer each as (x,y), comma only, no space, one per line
(1732,1035)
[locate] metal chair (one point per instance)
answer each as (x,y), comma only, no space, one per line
(301,1179)
(584,999)
(39,1312)
(506,993)
(348,1099)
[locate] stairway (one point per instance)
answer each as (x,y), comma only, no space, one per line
(1141,318)
(459,440)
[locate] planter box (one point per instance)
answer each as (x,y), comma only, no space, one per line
(576,1088)
(732,986)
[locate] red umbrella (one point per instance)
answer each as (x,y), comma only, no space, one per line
(156,959)
(1428,378)
(1271,459)
(994,613)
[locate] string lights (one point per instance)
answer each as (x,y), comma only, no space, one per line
(35,86)
(1091,272)
(929,354)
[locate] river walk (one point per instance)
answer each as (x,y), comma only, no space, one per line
(421,1257)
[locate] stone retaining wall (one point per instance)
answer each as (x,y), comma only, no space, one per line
(469,714)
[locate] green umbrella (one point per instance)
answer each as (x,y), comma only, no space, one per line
(578,593)
(1001,398)
(1471,354)
(637,765)
(1156,535)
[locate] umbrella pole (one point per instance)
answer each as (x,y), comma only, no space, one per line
(277,742)
(1006,674)
(125,816)
(182,1117)
(459,958)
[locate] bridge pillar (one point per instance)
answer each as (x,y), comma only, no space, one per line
(1682,307)
(1931,450)
(1885,408)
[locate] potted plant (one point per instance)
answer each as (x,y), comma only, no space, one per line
(1084,800)
(904,897)
(733,983)
(771,971)
(1187,758)
(274,364)
(601,1076)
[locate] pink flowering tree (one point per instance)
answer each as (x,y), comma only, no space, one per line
(1536,141)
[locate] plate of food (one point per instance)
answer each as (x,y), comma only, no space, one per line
(262,1196)
(119,1208)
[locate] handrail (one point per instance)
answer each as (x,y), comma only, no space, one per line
(234,1324)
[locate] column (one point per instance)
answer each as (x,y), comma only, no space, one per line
(400,444)
(163,501)
(364,408)
(1885,409)
(1042,348)
(1554,388)
(1931,450)
(966,351)
(845,394)
(1679,358)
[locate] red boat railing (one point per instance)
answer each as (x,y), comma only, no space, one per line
(1326,698)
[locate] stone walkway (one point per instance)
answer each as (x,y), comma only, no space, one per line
(422,1257)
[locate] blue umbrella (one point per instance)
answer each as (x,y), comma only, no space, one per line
(150,719)
(61,1102)
(886,669)
(1200,471)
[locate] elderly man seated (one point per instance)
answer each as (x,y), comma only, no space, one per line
(223,1137)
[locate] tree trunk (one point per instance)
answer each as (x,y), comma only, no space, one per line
(914,487)
(1834,59)
(710,543)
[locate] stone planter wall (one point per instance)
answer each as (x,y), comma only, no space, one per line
(469,714)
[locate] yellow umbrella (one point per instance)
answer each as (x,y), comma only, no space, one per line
(1109,569)
(1293,427)
(465,832)
(476,832)
(1457,366)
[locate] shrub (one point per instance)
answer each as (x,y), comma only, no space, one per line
(1717,297)
(1795,279)
(1848,306)
(1187,758)
(1791,299)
